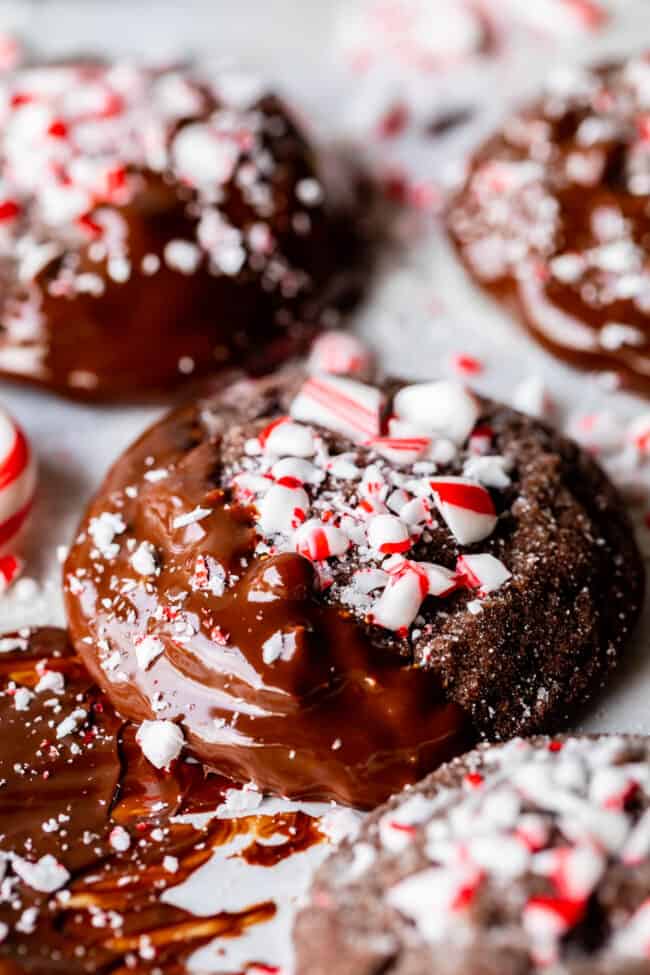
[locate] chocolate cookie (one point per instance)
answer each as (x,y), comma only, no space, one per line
(330,587)
(156,225)
(528,857)
(553,218)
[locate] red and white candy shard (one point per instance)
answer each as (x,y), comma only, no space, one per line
(401,451)
(443,408)
(287,439)
(388,534)
(467,508)
(318,541)
(483,572)
(401,600)
(282,509)
(340,404)
(408,585)
(17,489)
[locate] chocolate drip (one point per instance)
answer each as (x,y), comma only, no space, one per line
(65,797)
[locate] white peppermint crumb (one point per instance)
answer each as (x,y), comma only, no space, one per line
(103,531)
(150,264)
(279,646)
(182,255)
(119,839)
(475,607)
(46,875)
(161,742)
(119,269)
(309,192)
(144,559)
(11,644)
(157,475)
(340,824)
(170,864)
(615,335)
(240,801)
(26,923)
(22,699)
(147,650)
(71,723)
(52,681)
(197,514)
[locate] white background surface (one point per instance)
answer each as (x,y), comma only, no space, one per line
(421,310)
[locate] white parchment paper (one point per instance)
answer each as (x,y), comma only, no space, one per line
(421,313)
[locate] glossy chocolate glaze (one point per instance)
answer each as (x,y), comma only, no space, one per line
(65,796)
(96,303)
(345,718)
(553,219)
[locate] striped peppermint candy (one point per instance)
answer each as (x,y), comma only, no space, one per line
(408,585)
(317,540)
(467,508)
(483,572)
(400,450)
(17,481)
(340,404)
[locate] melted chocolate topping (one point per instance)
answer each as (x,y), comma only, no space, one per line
(86,798)
(553,218)
(156,225)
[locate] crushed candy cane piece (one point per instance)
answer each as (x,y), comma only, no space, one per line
(467,508)
(443,408)
(340,404)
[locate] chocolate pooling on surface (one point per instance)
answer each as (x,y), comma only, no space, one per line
(553,218)
(524,858)
(89,850)
(328,587)
(156,225)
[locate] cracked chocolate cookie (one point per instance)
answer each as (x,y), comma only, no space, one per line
(329,587)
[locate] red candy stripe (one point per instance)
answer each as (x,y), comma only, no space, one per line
(15,462)
(343,406)
(472,497)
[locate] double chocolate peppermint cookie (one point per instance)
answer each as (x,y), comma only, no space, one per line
(522,858)
(160,224)
(330,587)
(553,219)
